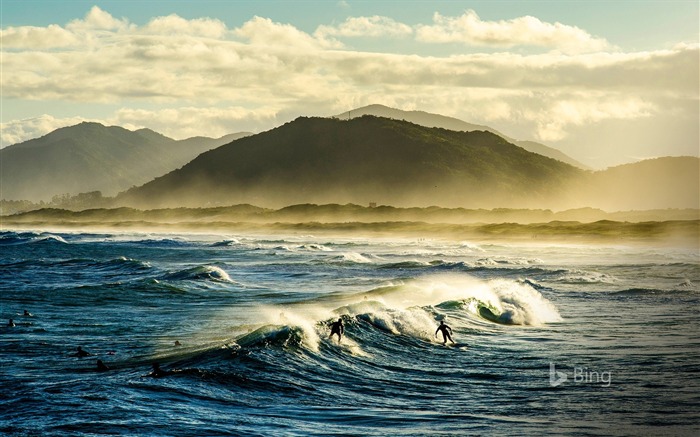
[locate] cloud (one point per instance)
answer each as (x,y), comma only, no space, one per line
(530,31)
(552,122)
(186,122)
(263,31)
(97,19)
(177,122)
(374,26)
(30,37)
(17,131)
(176,25)
(216,80)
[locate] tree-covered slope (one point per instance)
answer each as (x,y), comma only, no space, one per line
(362,160)
(92,157)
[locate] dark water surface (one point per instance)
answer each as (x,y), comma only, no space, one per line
(251,314)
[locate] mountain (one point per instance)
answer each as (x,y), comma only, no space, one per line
(434,120)
(92,157)
(669,182)
(362,160)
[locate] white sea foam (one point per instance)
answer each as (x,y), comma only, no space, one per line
(355,258)
(519,303)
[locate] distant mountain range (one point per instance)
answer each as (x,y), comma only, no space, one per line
(362,160)
(668,182)
(395,162)
(92,157)
(352,158)
(435,120)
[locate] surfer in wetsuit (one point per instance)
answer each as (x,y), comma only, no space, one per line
(11,324)
(446,331)
(157,372)
(102,367)
(337,328)
(81,353)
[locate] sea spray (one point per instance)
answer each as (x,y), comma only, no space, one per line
(518,303)
(521,304)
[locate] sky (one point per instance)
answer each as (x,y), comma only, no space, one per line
(606,82)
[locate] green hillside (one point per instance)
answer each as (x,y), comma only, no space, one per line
(92,157)
(366,159)
(435,120)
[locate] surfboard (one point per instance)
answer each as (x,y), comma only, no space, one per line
(457,345)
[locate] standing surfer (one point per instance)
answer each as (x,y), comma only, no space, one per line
(446,331)
(337,328)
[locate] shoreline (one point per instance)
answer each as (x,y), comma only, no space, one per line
(683,233)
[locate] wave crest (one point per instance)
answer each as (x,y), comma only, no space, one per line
(200,273)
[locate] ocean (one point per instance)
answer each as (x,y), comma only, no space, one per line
(550,339)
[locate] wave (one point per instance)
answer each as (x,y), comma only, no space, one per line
(163,242)
(352,258)
(387,320)
(584,277)
(290,347)
(199,273)
(314,248)
(414,264)
(411,308)
(226,243)
(653,291)
(14,238)
(87,269)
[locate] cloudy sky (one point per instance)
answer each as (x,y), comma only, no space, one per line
(607,82)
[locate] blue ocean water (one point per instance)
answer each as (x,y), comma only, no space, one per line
(556,339)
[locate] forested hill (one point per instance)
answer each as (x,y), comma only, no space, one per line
(366,159)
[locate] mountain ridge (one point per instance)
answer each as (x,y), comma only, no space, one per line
(325,160)
(428,119)
(90,156)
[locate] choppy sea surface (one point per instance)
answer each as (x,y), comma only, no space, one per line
(558,339)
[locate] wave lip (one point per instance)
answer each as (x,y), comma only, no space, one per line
(226,243)
(352,258)
(200,273)
(13,238)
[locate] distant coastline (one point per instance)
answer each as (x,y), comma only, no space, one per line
(673,226)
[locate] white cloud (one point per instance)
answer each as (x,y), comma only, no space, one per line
(97,19)
(263,31)
(470,29)
(186,122)
(175,25)
(552,121)
(30,37)
(374,26)
(17,131)
(221,80)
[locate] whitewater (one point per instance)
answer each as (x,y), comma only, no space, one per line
(550,339)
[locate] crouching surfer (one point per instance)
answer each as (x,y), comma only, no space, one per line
(446,331)
(337,328)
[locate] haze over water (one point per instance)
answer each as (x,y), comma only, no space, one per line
(251,313)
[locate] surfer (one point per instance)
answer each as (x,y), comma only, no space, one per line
(81,353)
(157,372)
(446,331)
(11,323)
(102,367)
(27,314)
(337,328)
